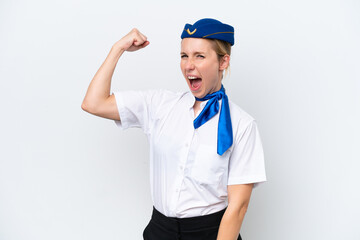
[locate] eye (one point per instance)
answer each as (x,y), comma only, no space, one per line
(183,56)
(200,56)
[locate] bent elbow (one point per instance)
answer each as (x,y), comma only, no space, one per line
(84,106)
(87,107)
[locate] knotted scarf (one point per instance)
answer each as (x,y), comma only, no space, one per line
(225,136)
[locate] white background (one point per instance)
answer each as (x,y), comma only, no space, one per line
(65,174)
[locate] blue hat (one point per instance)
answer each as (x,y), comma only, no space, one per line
(209,28)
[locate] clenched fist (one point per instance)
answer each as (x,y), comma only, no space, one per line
(133,41)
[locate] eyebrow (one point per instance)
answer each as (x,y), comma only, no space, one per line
(194,53)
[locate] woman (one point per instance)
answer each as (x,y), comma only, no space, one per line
(205,151)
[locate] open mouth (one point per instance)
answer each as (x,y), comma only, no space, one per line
(195,82)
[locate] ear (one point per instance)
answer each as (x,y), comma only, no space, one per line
(224,62)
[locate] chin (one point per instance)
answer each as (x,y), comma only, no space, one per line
(198,94)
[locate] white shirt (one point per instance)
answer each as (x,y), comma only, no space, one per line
(187,176)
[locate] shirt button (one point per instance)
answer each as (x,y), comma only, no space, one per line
(186,145)
(181,167)
(177,190)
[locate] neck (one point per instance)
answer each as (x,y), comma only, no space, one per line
(220,90)
(198,101)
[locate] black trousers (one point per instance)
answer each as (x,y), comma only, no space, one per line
(162,227)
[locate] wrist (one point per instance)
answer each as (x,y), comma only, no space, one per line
(118,47)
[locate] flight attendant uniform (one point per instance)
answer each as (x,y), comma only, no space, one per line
(189,169)
(188,178)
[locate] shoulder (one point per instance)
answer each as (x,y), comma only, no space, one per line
(239,115)
(241,120)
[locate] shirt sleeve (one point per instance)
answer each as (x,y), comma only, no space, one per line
(246,163)
(136,108)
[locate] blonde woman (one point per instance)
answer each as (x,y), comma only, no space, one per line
(205,151)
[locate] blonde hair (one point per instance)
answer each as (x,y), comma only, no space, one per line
(222,48)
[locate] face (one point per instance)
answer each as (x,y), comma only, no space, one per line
(200,66)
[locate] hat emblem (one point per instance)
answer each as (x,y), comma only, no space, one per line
(190,33)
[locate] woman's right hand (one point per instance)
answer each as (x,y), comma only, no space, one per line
(97,100)
(132,41)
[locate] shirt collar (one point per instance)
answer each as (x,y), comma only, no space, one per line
(190,100)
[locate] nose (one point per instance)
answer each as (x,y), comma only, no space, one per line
(189,65)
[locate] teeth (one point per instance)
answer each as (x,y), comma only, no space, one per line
(191,77)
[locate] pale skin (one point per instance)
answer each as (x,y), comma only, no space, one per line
(198,59)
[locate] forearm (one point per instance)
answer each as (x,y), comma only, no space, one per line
(99,88)
(231,223)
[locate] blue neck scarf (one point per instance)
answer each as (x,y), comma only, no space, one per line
(225,136)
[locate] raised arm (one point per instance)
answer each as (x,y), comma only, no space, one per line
(98,100)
